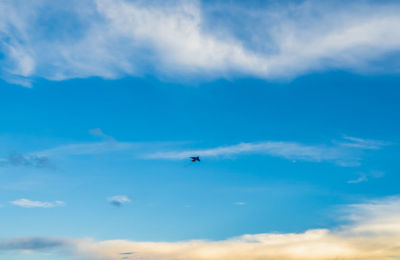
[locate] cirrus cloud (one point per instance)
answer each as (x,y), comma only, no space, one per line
(343,153)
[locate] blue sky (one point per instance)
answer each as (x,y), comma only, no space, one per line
(295,117)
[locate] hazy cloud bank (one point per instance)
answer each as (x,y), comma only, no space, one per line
(372,232)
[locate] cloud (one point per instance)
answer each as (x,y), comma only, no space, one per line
(289,150)
(375,217)
(364,177)
(99,133)
(30,160)
(127,253)
(32,243)
(119,200)
(46,157)
(26,203)
(344,155)
(86,148)
(363,143)
(371,231)
(181,39)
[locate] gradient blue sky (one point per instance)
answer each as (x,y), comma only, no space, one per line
(294,117)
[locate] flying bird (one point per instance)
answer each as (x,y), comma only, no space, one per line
(194,159)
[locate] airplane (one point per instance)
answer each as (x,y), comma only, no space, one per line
(194,159)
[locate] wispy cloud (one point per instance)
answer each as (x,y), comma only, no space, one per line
(30,160)
(99,133)
(86,148)
(26,203)
(46,157)
(372,232)
(119,200)
(108,145)
(361,178)
(183,38)
(363,143)
(344,155)
(364,177)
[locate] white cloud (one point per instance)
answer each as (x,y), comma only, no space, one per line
(380,216)
(115,38)
(26,203)
(175,35)
(119,200)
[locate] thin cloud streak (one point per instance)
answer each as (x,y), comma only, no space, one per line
(108,145)
(364,177)
(26,203)
(368,144)
(43,158)
(361,178)
(87,148)
(288,150)
(340,154)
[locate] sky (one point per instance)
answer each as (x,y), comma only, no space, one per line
(291,106)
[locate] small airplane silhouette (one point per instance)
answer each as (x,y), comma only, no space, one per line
(194,159)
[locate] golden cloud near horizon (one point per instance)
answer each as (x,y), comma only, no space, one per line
(373,232)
